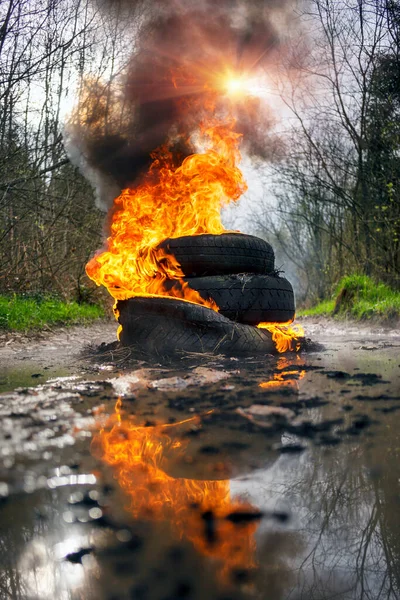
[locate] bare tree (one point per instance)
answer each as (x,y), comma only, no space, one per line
(49,225)
(337,190)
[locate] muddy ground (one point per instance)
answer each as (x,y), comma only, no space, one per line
(213,478)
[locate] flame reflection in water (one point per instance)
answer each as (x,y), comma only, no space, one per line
(197,510)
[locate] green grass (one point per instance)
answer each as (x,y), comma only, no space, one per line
(323,308)
(358,296)
(18,313)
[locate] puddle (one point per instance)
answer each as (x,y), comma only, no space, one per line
(275,479)
(11,378)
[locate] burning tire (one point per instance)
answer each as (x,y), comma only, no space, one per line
(222,254)
(249,299)
(163,326)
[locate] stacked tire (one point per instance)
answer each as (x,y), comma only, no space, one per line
(238,272)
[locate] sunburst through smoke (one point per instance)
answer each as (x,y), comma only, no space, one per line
(184,52)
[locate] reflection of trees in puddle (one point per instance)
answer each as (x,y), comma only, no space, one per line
(350,513)
(17,530)
(34,540)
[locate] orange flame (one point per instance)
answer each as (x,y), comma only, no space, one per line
(285,375)
(285,335)
(170,202)
(139,456)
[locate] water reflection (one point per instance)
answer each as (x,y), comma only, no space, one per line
(345,502)
(202,512)
(34,543)
(214,510)
(287,374)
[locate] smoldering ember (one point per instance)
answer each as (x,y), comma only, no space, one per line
(199,303)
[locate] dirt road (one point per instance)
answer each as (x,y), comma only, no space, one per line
(218,478)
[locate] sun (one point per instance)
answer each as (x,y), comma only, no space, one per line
(235,86)
(240,85)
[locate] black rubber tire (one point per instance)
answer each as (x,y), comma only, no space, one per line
(164,326)
(222,254)
(249,299)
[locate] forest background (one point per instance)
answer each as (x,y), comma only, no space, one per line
(330,204)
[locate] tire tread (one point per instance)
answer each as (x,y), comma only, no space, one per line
(223,254)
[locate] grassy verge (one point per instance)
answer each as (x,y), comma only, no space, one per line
(359,297)
(323,308)
(23,313)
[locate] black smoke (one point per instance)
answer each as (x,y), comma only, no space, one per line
(181,51)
